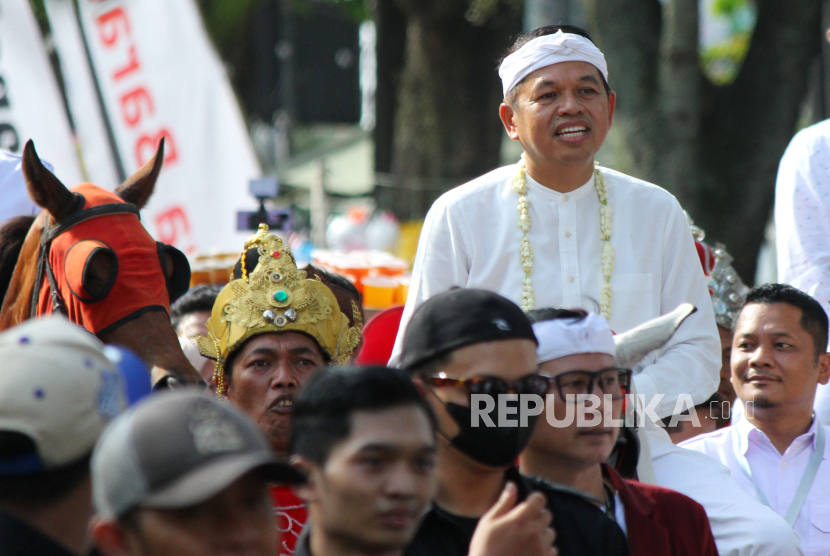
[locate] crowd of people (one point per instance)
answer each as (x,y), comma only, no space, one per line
(575,372)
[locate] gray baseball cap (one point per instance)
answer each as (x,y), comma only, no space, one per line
(177,449)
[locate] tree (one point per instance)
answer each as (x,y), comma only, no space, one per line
(445,128)
(716,147)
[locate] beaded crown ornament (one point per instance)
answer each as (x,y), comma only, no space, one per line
(726,288)
(275,296)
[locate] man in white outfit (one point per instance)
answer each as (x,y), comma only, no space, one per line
(556,231)
(802,224)
(777,451)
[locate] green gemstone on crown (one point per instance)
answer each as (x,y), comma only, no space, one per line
(280,296)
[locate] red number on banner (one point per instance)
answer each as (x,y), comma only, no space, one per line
(108,26)
(131,66)
(131,102)
(146,147)
(173,227)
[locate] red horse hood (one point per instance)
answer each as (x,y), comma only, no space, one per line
(137,283)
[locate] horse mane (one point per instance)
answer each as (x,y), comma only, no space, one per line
(12,233)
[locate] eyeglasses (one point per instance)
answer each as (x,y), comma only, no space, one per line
(533,383)
(614,381)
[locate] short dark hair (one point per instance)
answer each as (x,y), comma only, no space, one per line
(334,279)
(197,298)
(321,415)
(39,489)
(813,318)
(523,39)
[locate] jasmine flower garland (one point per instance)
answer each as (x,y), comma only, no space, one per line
(519,184)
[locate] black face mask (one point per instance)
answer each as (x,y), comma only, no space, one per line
(494,446)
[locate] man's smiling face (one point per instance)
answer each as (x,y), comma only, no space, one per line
(561,115)
(774,361)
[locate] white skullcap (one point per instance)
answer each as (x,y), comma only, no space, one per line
(563,337)
(548,50)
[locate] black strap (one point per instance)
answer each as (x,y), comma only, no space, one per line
(87,214)
(57,301)
(38,280)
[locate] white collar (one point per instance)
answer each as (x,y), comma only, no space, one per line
(744,428)
(538,189)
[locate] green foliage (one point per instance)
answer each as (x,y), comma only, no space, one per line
(40,14)
(357,10)
(722,62)
(224,19)
(728,8)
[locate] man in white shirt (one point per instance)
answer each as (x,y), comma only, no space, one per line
(553,231)
(777,451)
(802,223)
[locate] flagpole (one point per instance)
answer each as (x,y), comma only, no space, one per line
(116,156)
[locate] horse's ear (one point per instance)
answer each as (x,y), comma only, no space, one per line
(44,188)
(138,187)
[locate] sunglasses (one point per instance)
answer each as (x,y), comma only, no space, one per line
(614,381)
(533,383)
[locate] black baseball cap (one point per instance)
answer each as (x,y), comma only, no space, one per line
(458,318)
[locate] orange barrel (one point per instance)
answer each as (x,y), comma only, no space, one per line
(199,273)
(403,289)
(355,271)
(392,266)
(379,292)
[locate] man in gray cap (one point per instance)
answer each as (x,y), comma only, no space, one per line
(57,392)
(182,473)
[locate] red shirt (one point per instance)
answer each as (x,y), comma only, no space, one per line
(291,514)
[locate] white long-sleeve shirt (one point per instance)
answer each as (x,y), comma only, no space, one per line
(802,224)
(777,475)
(471,239)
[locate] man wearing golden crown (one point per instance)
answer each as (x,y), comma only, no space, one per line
(557,230)
(270,328)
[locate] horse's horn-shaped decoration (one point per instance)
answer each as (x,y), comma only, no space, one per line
(138,188)
(45,189)
(632,457)
(634,345)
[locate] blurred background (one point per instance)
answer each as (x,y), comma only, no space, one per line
(352,116)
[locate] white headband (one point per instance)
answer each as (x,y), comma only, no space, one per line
(548,50)
(561,337)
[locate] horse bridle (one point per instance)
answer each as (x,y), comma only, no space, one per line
(50,232)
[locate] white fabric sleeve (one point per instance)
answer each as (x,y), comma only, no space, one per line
(440,264)
(690,362)
(802,217)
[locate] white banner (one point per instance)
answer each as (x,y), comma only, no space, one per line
(159,76)
(90,128)
(31,106)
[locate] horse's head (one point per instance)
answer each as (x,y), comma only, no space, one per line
(88,256)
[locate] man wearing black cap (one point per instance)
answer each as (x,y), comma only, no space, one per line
(185,474)
(466,342)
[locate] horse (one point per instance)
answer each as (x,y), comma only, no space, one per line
(87,255)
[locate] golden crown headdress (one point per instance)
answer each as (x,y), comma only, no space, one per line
(275,296)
